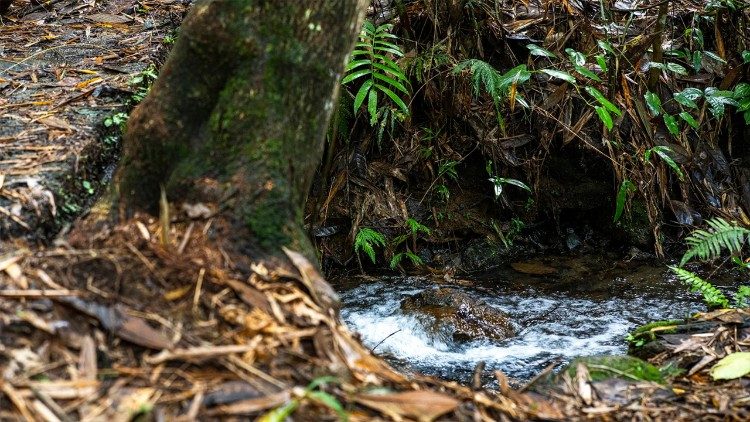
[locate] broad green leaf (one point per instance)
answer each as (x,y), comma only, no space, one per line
(717,100)
(352,76)
(361,94)
(687,97)
(603,100)
(746,56)
(567,77)
(742,90)
(732,366)
(676,68)
(714,56)
(654,103)
(587,73)
(604,116)
(575,57)
(517,75)
(696,34)
(535,50)
(626,187)
(687,117)
(657,65)
(671,124)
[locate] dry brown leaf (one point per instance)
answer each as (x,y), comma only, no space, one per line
(422,405)
(108,18)
(56,123)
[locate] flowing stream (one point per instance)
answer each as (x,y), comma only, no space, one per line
(586,307)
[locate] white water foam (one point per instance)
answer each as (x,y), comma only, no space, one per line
(558,328)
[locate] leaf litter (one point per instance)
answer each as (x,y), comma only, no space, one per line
(110,322)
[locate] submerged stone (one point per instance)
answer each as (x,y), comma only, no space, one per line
(453,313)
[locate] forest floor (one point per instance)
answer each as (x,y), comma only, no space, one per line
(122,322)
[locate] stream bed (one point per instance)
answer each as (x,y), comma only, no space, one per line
(582,306)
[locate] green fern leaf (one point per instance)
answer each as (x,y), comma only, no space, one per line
(708,244)
(382,74)
(366,240)
(712,296)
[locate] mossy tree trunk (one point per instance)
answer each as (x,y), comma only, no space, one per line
(239,113)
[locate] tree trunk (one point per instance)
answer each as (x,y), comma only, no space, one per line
(238,116)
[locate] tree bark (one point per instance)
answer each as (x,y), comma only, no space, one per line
(239,113)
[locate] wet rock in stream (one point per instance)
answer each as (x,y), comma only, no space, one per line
(455,314)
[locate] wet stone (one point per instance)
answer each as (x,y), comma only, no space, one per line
(454,314)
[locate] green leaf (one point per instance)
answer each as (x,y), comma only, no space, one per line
(696,34)
(602,62)
(604,117)
(654,103)
(712,296)
(697,61)
(329,401)
(687,97)
(567,77)
(587,73)
(535,50)
(717,100)
(396,260)
(575,57)
(392,95)
(687,117)
(500,181)
(714,56)
(354,75)
(357,63)
(676,68)
(603,100)
(746,56)
(741,91)
(606,46)
(671,124)
(280,414)
(395,72)
(392,82)
(732,366)
(361,94)
(663,153)
(517,75)
(626,187)
(372,106)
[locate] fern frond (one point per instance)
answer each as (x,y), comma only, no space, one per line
(712,296)
(382,75)
(708,244)
(366,240)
